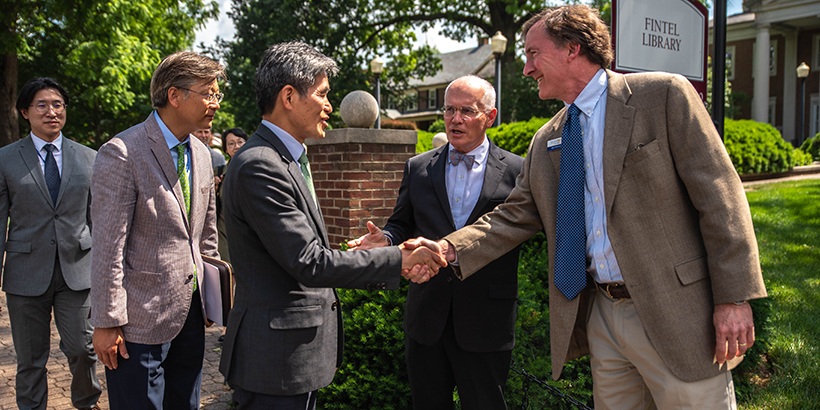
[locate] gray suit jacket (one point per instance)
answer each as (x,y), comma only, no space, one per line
(284,332)
(39,229)
(142,278)
(677,215)
(484,307)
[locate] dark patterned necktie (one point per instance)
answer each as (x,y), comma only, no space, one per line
(51,172)
(570,237)
(304,165)
(456,157)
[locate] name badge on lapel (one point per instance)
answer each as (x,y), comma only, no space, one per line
(554,144)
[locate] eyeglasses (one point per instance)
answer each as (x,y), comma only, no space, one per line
(217,98)
(466,112)
(43,107)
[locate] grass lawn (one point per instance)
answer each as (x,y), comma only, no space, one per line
(787,222)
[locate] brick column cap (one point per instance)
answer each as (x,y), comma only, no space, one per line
(366,136)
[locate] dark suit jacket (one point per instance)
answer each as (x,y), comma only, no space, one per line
(284,332)
(39,229)
(142,275)
(678,220)
(484,307)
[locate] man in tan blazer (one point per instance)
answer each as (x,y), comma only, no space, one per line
(671,257)
(154,214)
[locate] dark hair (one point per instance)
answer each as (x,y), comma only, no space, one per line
(33,86)
(235,131)
(294,63)
(183,69)
(577,24)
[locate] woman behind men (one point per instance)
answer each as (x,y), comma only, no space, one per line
(232,140)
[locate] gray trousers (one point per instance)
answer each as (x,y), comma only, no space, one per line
(30,318)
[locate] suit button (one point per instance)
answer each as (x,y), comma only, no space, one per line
(368,287)
(56,216)
(53,242)
(449,279)
(189,278)
(334,305)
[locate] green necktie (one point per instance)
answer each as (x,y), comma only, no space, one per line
(305,166)
(183,179)
(186,188)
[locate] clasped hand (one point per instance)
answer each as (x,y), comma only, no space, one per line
(420,258)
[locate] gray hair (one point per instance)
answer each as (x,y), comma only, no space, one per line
(294,63)
(487,100)
(183,69)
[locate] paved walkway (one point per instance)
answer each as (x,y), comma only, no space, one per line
(215,395)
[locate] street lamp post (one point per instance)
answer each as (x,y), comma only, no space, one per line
(498,43)
(376,67)
(802,73)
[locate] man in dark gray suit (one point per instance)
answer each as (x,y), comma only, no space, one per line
(284,339)
(457,333)
(45,201)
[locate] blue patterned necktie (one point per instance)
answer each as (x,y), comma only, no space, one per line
(456,157)
(51,172)
(570,237)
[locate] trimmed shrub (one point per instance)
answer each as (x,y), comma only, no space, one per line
(397,125)
(756,147)
(437,126)
(516,137)
(424,142)
(811,146)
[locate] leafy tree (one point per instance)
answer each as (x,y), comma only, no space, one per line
(354,31)
(102,52)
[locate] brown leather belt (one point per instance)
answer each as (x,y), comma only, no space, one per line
(615,290)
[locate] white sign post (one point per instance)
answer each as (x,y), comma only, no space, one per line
(661,35)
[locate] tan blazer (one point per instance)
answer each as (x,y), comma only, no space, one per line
(677,217)
(142,271)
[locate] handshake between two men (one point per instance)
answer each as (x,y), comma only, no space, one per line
(421,257)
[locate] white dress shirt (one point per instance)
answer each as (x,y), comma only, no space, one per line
(464,185)
(57,152)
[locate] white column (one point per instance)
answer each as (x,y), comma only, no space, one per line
(790,87)
(760,110)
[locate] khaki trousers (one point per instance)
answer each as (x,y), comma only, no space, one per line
(627,372)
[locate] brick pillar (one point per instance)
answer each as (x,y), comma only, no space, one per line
(357,173)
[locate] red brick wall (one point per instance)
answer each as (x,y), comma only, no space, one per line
(357,173)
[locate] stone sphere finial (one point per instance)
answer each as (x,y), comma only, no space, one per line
(359,109)
(439,139)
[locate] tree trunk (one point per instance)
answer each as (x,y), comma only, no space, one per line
(8,75)
(8,94)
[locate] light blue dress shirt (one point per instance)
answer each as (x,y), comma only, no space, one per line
(592,103)
(295,148)
(57,153)
(172,142)
(464,185)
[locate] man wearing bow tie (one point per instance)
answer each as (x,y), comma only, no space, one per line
(457,333)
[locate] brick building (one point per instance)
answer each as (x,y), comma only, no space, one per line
(764,46)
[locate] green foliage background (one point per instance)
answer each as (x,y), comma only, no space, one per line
(757,148)
(103,53)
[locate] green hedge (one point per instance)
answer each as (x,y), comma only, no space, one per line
(811,147)
(373,375)
(756,147)
(516,137)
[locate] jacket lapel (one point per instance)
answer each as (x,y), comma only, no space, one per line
(493,171)
(162,154)
(30,158)
(556,132)
(617,132)
(437,168)
(299,180)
